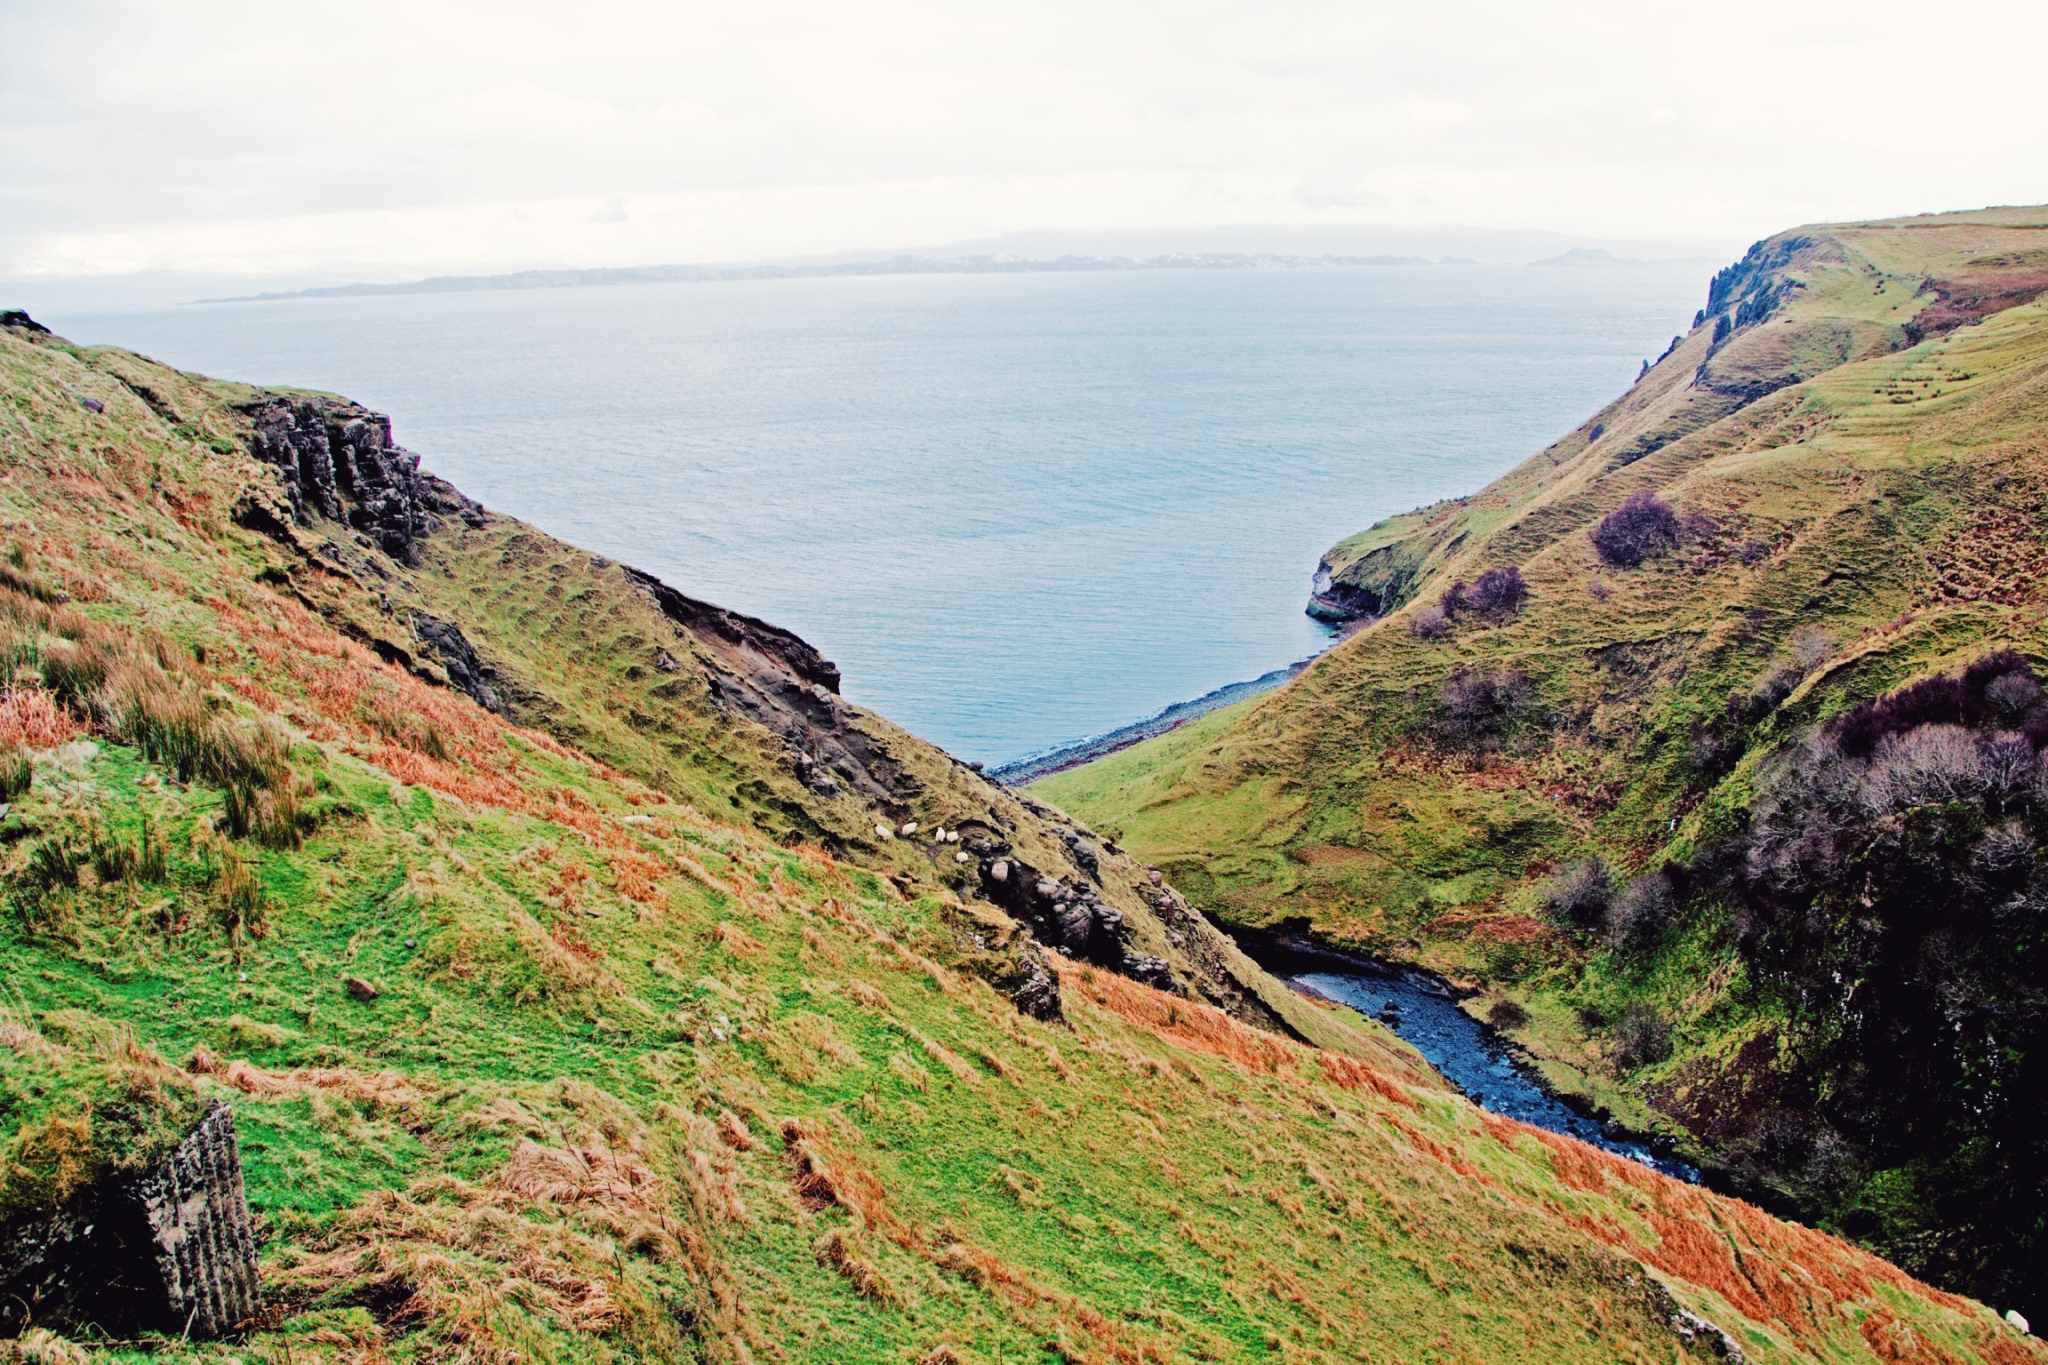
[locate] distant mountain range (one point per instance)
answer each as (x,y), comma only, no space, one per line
(897,265)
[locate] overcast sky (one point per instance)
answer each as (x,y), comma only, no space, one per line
(321,142)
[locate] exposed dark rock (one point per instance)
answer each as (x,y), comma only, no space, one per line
(1380,580)
(92,404)
(776,679)
(447,644)
(785,648)
(1153,971)
(170,1251)
(1034,989)
(1060,914)
(15,317)
(337,462)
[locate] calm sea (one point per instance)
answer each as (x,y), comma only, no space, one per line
(1017,510)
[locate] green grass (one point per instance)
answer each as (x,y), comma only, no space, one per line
(645,1079)
(1895,491)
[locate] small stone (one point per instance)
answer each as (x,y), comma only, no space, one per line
(241,976)
(359,988)
(1046,889)
(1156,878)
(999,871)
(412,943)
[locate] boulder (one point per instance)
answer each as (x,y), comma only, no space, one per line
(168,1251)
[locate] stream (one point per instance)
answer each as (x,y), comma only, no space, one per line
(1423,1012)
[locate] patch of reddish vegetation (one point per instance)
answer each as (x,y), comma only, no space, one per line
(1437,1151)
(1766,1269)
(634,876)
(1510,929)
(29,717)
(1348,1073)
(419,770)
(1893,1341)
(823,1173)
(1203,1028)
(569,941)
(1965,299)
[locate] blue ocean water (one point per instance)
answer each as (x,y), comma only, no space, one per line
(1018,510)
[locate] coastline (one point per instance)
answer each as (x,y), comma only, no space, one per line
(1023,770)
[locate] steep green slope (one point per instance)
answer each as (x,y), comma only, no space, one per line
(1850,445)
(621,1075)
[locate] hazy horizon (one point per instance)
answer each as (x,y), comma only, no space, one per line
(153,153)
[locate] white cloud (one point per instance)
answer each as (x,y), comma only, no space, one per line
(388,137)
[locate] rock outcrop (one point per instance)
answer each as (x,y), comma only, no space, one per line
(337,461)
(170,1251)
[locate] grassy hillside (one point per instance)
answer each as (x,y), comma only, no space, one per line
(1552,797)
(650,1045)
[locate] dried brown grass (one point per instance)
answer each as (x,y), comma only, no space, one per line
(1201,1027)
(30,718)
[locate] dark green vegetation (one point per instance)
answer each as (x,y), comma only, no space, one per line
(537,923)
(1661,808)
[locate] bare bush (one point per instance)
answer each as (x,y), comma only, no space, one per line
(1477,707)
(1642,528)
(1965,700)
(1810,647)
(1642,912)
(1507,1016)
(1642,1037)
(2011,695)
(1497,596)
(1428,623)
(1499,593)
(1578,897)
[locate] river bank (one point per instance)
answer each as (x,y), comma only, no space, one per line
(1423,1010)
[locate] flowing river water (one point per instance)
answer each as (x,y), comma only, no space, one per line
(1423,1011)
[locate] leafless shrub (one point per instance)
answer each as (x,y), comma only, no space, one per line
(1932,763)
(1499,593)
(1642,1037)
(1810,647)
(2011,695)
(1642,912)
(1642,528)
(1477,707)
(1428,623)
(1578,897)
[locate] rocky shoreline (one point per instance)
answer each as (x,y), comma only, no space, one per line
(1058,760)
